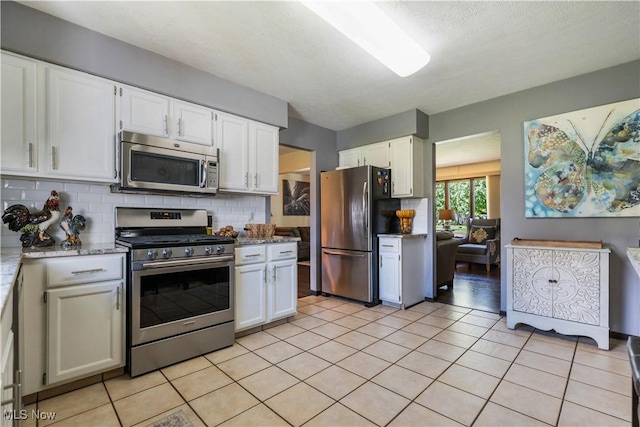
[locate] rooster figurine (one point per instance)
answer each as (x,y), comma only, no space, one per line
(33,225)
(72,226)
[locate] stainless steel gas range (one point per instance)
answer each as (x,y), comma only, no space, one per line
(180,286)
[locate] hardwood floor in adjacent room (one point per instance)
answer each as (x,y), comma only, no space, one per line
(473,287)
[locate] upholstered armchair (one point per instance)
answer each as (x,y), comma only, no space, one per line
(481,245)
(446,247)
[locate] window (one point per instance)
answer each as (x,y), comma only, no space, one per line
(466,197)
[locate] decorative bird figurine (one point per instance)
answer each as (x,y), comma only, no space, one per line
(72,226)
(33,225)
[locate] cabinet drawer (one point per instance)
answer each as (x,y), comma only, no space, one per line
(250,254)
(282,251)
(390,245)
(81,269)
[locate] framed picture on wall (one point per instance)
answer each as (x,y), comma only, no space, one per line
(584,163)
(295,199)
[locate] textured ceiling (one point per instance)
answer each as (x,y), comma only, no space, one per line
(479,148)
(479,50)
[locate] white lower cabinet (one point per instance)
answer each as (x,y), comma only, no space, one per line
(10,379)
(266,283)
(251,295)
(72,319)
(401,269)
(564,289)
(84,329)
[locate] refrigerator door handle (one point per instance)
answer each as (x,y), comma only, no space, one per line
(344,253)
(365,210)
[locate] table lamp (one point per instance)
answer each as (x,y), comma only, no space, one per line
(445,215)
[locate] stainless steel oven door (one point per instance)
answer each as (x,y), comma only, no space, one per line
(174,297)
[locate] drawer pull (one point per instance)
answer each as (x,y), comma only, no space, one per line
(252,255)
(285,252)
(189,323)
(388,246)
(95,270)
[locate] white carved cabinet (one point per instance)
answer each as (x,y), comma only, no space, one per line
(565,289)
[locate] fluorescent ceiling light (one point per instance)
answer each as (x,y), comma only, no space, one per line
(372,30)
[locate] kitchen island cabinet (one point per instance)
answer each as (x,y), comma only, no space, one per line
(266,285)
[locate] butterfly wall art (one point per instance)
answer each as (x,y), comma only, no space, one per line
(585,163)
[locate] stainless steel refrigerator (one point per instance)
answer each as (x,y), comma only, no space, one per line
(356,206)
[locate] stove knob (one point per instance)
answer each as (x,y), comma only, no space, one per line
(188,251)
(167,253)
(152,254)
(220,250)
(208,250)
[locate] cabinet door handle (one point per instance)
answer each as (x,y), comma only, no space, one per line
(118,298)
(264,275)
(30,155)
(246,179)
(95,270)
(54,154)
(179,127)
(255,181)
(166,125)
(274,275)
(380,262)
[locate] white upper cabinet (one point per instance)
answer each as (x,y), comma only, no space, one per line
(80,134)
(377,154)
(407,167)
(232,139)
(153,114)
(264,157)
(248,155)
(144,112)
(350,158)
(192,123)
(19,132)
(405,157)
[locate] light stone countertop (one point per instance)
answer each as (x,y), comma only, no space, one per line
(245,241)
(403,236)
(634,256)
(10,259)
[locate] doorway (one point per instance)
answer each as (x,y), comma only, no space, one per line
(291,208)
(467,185)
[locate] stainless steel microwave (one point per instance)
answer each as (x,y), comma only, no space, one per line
(152,164)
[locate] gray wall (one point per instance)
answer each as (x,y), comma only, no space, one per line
(507,115)
(35,34)
(412,122)
(322,143)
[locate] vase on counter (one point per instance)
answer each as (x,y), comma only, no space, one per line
(406,220)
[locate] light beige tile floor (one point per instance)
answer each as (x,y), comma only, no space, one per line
(339,363)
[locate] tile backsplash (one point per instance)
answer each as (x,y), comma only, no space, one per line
(97,204)
(421,206)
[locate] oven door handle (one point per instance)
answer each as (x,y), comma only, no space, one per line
(182,262)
